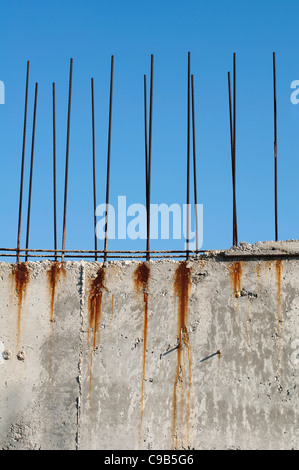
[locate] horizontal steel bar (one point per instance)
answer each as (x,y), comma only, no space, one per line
(98,251)
(132,256)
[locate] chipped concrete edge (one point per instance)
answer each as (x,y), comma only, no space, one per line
(268,248)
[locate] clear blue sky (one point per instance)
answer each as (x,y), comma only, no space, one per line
(50,33)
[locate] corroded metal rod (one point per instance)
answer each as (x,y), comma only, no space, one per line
(232,120)
(232,152)
(98,251)
(188,155)
(275,148)
(234,144)
(145,141)
(54,170)
(102,256)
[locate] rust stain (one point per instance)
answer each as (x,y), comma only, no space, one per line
(54,274)
(21,276)
(141,280)
(219,357)
(182,286)
(95,299)
(141,277)
(97,286)
(278,272)
(236,276)
(112,305)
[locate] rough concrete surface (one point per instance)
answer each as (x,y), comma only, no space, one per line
(164,355)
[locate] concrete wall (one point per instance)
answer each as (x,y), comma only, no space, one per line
(168,355)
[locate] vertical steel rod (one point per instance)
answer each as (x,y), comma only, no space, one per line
(234,146)
(67,158)
(108,158)
(94,170)
(145,141)
(150,161)
(194,161)
(22,165)
(232,151)
(54,171)
(188,155)
(31,171)
(275,147)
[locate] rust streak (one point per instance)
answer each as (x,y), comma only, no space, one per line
(182,285)
(54,274)
(97,286)
(141,280)
(219,358)
(21,276)
(236,276)
(112,304)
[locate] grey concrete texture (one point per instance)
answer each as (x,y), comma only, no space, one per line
(164,355)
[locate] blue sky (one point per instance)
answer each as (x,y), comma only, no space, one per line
(50,33)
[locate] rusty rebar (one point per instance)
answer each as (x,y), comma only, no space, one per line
(194,161)
(188,155)
(145,140)
(108,158)
(23,163)
(31,169)
(39,250)
(67,157)
(232,119)
(234,125)
(275,148)
(150,161)
(41,253)
(94,168)
(91,255)
(54,170)
(232,151)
